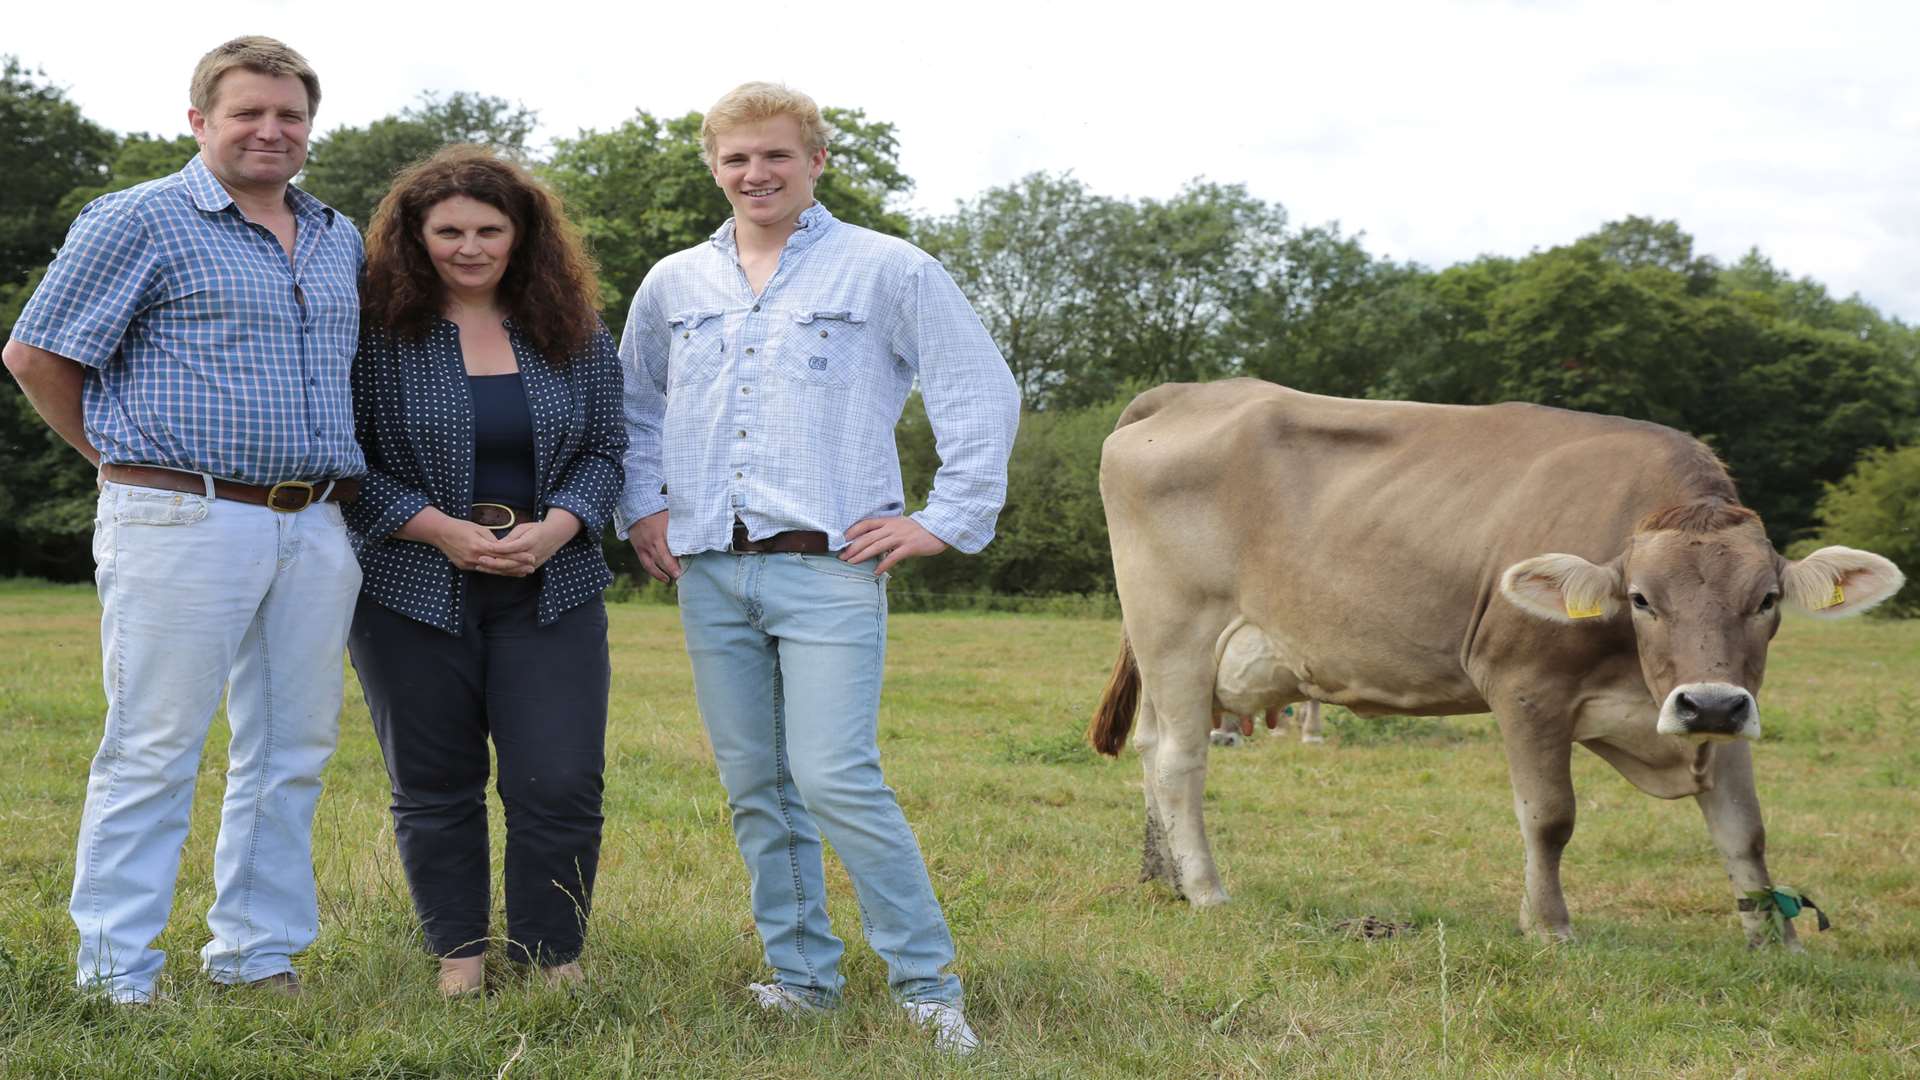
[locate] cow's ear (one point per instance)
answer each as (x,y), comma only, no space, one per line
(1839,581)
(1563,588)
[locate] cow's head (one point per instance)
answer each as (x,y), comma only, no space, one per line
(1703,588)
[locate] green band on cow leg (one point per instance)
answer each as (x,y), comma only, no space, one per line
(1781,904)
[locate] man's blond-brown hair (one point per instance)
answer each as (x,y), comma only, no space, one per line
(751,103)
(253,53)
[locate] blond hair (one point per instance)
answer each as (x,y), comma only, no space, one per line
(262,55)
(753,102)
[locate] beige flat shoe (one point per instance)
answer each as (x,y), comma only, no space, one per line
(563,976)
(462,976)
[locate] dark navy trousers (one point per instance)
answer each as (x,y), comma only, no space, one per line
(540,693)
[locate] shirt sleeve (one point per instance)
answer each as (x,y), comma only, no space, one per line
(643,361)
(590,482)
(385,503)
(107,272)
(971,402)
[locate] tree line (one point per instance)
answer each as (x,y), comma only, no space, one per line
(1092,298)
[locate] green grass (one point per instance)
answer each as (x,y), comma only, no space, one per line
(1071,968)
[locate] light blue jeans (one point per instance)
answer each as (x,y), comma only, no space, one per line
(787,654)
(198,595)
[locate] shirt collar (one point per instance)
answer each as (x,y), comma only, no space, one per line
(208,194)
(814,223)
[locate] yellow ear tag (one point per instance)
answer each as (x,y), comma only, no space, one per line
(1837,598)
(1584,613)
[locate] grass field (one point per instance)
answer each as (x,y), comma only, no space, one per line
(1071,968)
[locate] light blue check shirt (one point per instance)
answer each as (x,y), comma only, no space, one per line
(779,409)
(205,349)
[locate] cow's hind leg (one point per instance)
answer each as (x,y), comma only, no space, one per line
(1156,858)
(1540,766)
(1176,774)
(1732,809)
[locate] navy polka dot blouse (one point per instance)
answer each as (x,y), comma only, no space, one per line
(413,412)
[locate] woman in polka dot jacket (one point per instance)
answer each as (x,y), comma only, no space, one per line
(487,398)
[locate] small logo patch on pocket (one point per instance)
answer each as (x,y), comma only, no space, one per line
(817,363)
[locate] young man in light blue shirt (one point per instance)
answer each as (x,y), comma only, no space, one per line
(765,371)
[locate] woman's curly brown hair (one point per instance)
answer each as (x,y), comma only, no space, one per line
(549,290)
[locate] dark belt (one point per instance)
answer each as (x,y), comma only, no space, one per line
(797,542)
(287,496)
(499,515)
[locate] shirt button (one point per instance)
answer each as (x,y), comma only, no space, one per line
(746,389)
(743,433)
(823,333)
(686,333)
(739,476)
(749,350)
(756,307)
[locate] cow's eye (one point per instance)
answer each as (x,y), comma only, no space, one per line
(1766,603)
(1640,602)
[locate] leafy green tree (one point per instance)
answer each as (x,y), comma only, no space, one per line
(1331,319)
(47,148)
(1875,507)
(1171,275)
(350,169)
(139,157)
(1022,254)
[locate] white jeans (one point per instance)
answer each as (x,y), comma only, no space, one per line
(199,595)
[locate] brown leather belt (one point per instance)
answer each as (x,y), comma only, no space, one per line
(287,496)
(499,515)
(797,542)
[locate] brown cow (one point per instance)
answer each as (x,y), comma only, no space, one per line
(1585,578)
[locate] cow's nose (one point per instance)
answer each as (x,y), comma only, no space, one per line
(1713,711)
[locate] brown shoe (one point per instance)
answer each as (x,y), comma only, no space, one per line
(460,976)
(282,983)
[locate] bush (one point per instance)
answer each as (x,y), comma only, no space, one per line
(1877,508)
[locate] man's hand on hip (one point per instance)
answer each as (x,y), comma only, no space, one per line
(894,538)
(649,539)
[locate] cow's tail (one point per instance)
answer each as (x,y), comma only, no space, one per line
(1113,717)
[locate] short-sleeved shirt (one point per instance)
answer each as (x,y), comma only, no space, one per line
(206,349)
(778,410)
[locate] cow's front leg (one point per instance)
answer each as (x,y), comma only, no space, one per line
(1542,775)
(1309,713)
(1732,809)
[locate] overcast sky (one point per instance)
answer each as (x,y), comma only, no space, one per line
(1442,130)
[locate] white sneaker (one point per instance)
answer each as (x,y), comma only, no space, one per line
(949,1027)
(774,997)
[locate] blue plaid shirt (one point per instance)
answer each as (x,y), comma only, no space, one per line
(206,350)
(779,409)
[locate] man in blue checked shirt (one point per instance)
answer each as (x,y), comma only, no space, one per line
(193,339)
(765,371)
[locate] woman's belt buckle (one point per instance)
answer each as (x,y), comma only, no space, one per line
(493,515)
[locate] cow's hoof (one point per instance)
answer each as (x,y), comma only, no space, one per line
(1208,898)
